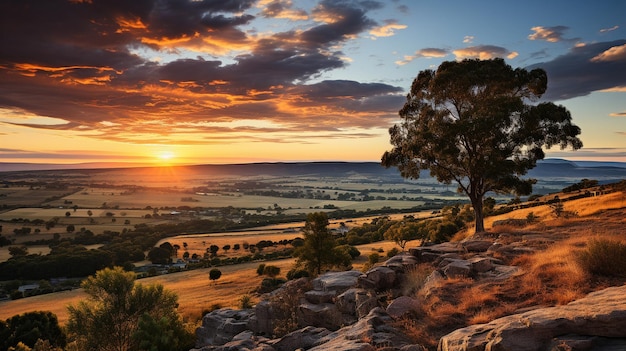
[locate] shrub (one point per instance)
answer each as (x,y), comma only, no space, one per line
(245,302)
(392,252)
(271,271)
(604,257)
(260,269)
(297,273)
(373,258)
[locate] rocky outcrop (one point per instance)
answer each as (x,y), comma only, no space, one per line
(221,326)
(585,324)
(355,311)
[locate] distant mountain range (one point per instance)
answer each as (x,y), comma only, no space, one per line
(546,169)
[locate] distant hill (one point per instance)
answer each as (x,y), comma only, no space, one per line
(547,170)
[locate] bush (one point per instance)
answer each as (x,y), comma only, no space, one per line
(271,284)
(373,258)
(271,271)
(297,273)
(392,252)
(260,269)
(604,257)
(245,302)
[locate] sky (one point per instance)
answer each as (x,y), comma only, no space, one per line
(238,81)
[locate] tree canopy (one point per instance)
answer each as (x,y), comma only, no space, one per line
(478,123)
(110,318)
(319,249)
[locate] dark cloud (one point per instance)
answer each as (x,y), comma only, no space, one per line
(78,61)
(577,73)
(345,18)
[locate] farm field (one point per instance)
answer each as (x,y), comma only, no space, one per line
(195,291)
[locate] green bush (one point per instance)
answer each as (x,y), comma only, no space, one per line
(604,257)
(245,302)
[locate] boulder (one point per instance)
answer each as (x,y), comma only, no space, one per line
(220,326)
(477,245)
(383,278)
(480,264)
(402,306)
(372,332)
(593,319)
(304,338)
(356,302)
(431,283)
(336,281)
(457,269)
(318,296)
(324,315)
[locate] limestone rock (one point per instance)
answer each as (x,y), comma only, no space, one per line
(457,269)
(325,315)
(403,305)
(382,277)
(220,326)
(599,315)
(304,338)
(336,281)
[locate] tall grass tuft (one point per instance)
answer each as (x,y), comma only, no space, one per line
(604,257)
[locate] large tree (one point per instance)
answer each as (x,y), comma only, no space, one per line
(110,319)
(479,124)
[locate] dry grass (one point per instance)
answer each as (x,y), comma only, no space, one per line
(550,276)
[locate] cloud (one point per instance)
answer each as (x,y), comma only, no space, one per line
(549,34)
(426,53)
(615,53)
(484,52)
(618,114)
(282,9)
(81,62)
(388,29)
(578,74)
(604,30)
(468,39)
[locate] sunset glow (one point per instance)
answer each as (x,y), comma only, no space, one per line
(192,82)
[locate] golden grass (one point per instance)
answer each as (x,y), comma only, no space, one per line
(196,293)
(550,276)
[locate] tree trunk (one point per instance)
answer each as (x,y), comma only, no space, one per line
(477,204)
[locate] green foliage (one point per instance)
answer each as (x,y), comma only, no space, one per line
(245,302)
(297,273)
(271,271)
(109,318)
(16,251)
(163,334)
(270,284)
(373,258)
(470,122)
(403,232)
(392,252)
(260,269)
(159,255)
(73,261)
(319,250)
(604,257)
(29,327)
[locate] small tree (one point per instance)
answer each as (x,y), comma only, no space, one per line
(215,274)
(472,122)
(110,317)
(402,232)
(319,248)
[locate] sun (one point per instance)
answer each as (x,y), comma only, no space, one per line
(166,156)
